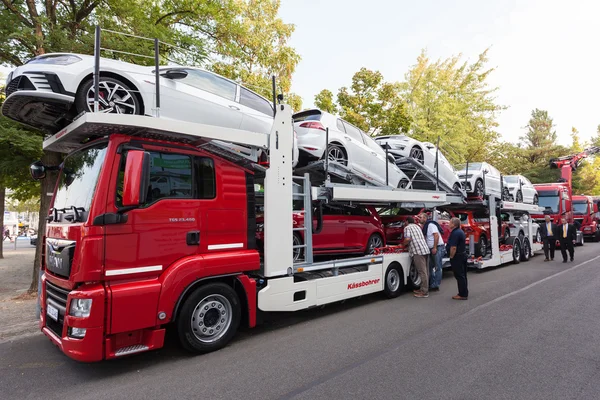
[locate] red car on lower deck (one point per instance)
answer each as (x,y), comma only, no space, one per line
(477,224)
(394,220)
(345,230)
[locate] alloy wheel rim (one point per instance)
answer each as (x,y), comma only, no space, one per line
(374,243)
(417,154)
(337,155)
(112,98)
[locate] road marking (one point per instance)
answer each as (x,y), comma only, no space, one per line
(507,295)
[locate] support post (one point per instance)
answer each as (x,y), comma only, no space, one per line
(97,69)
(274,95)
(326,152)
(437,165)
(387,166)
(157,75)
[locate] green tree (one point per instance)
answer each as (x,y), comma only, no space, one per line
(587,176)
(453,101)
(243,40)
(324,101)
(371,103)
(539,146)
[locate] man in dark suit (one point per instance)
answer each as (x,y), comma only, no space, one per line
(568,237)
(549,233)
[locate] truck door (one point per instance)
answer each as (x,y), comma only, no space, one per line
(170,225)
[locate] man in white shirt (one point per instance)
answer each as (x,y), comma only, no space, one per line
(435,242)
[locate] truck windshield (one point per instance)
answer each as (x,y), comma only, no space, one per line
(580,208)
(550,203)
(78,178)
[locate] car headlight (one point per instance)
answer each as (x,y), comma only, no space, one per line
(396,225)
(80,308)
(62,59)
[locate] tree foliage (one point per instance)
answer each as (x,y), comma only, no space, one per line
(453,101)
(324,101)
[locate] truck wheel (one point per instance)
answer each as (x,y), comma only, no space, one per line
(516,250)
(209,318)
(394,281)
(413,276)
(525,249)
(481,248)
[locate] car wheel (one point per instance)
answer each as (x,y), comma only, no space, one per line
(519,197)
(536,199)
(337,153)
(209,318)
(456,188)
(417,154)
(403,184)
(479,188)
(414,277)
(115,97)
(505,194)
(481,250)
(394,281)
(375,242)
(298,252)
(506,235)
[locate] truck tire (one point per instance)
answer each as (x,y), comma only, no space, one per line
(516,253)
(525,249)
(209,318)
(413,276)
(394,281)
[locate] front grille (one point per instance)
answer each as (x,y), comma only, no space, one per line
(57,297)
(12,86)
(21,82)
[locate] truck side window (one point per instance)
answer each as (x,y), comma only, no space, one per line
(206,178)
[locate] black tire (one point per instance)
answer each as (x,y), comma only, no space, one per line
(337,153)
(299,252)
(403,183)
(414,277)
(536,199)
(478,190)
(204,307)
(538,236)
(519,197)
(516,250)
(506,235)
(481,248)
(375,241)
(128,100)
(417,153)
(525,249)
(456,188)
(394,281)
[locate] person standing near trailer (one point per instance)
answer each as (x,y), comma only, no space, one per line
(568,238)
(418,250)
(433,233)
(458,258)
(548,232)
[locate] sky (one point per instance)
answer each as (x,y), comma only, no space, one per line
(545,51)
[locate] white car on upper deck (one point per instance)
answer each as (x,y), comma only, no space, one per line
(479,179)
(348,146)
(402,146)
(521,189)
(50,90)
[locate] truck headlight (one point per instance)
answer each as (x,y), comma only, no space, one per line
(80,308)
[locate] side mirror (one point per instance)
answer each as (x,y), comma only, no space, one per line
(175,74)
(595,207)
(137,178)
(37,170)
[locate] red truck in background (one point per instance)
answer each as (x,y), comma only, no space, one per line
(585,216)
(556,199)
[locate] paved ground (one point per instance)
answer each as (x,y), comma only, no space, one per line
(529,331)
(17,310)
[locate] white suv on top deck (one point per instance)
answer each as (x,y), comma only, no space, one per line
(348,146)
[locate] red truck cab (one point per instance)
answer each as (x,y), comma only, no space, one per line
(556,199)
(120,258)
(584,213)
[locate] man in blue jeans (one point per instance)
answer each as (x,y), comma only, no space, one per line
(433,234)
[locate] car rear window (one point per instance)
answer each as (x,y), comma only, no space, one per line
(311,115)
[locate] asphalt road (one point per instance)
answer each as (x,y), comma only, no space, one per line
(528,331)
